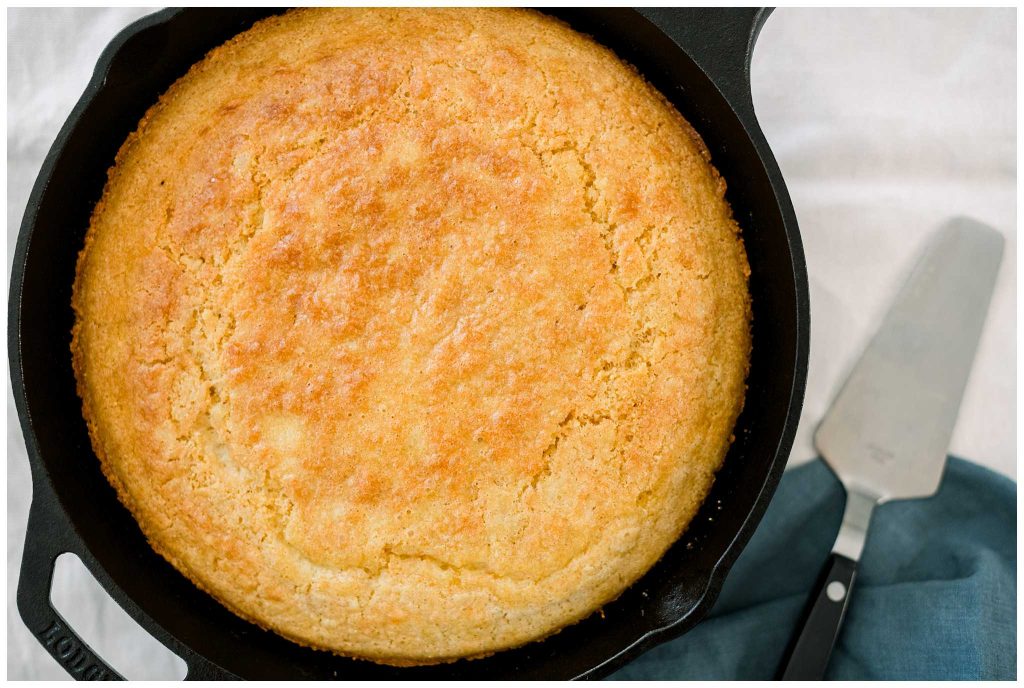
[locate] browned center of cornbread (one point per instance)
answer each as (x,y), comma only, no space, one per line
(412,334)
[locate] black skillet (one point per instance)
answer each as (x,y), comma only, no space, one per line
(699,58)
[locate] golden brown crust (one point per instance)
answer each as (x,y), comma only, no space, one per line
(412,334)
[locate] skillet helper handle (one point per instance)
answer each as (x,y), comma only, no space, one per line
(721,41)
(812,645)
(46,540)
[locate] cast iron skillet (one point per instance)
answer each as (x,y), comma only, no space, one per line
(700,59)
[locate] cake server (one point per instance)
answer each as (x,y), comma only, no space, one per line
(886,434)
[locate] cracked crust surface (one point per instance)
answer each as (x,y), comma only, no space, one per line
(412,334)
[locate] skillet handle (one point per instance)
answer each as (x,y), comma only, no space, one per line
(44,542)
(721,41)
(49,534)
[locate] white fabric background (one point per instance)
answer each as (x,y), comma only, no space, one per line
(885,122)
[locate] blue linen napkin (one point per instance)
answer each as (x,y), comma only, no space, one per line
(935,596)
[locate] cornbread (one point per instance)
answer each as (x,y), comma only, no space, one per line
(415,334)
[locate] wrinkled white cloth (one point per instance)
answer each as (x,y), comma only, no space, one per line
(885,123)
